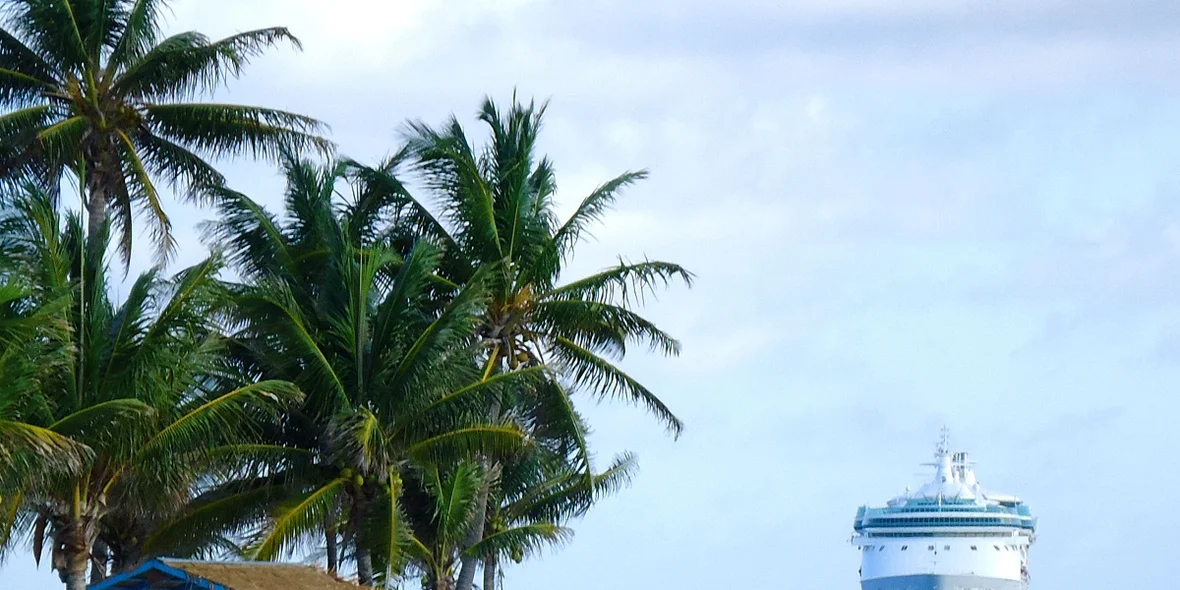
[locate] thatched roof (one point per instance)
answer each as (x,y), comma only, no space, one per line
(261,575)
(231,575)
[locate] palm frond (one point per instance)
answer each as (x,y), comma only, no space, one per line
(217,418)
(218,512)
(591,210)
(358,440)
(60,141)
(295,520)
(148,198)
(479,395)
(599,377)
(188,64)
(21,126)
(602,327)
(273,304)
(569,494)
(100,418)
(19,89)
(24,446)
(221,130)
(556,411)
(492,441)
(450,169)
(523,540)
(51,29)
(390,536)
(16,56)
(454,499)
(180,167)
(625,283)
(140,31)
(250,235)
(456,323)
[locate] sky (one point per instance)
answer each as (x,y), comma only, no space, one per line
(901,215)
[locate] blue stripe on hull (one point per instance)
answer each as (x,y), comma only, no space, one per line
(934,582)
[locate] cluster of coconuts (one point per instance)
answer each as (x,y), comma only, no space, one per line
(358,480)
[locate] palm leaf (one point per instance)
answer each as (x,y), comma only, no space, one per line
(214,514)
(528,539)
(296,520)
(179,167)
(479,395)
(223,129)
(140,31)
(600,377)
(598,202)
(100,417)
(15,56)
(52,30)
(50,449)
(493,441)
(216,418)
(61,140)
(625,282)
(602,327)
(149,199)
(187,64)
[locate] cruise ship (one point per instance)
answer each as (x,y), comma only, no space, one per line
(950,534)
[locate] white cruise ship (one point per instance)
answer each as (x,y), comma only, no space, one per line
(950,534)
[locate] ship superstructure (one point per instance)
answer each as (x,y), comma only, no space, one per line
(949,534)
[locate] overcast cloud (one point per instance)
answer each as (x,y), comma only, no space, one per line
(902,214)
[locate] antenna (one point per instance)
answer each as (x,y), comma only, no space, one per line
(944,443)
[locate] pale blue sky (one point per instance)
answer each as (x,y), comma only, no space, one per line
(902,214)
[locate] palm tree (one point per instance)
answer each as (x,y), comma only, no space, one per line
(446,516)
(27,451)
(143,384)
(91,89)
(533,499)
(384,350)
(497,214)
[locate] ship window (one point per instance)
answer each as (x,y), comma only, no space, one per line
(946,547)
(904,547)
(881,548)
(997,547)
(931,547)
(974,548)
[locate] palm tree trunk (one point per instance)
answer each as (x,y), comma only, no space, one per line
(96,206)
(364,556)
(489,572)
(364,566)
(470,562)
(76,556)
(330,545)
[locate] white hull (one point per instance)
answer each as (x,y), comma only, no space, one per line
(985,557)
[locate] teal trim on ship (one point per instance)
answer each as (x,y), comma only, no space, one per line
(934,582)
(946,513)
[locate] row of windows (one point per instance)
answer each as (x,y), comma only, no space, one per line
(892,522)
(943,534)
(944,547)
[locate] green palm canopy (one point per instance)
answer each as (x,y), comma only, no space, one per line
(92,88)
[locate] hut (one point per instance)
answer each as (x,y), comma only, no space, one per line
(182,574)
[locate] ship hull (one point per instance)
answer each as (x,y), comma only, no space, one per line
(941,582)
